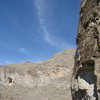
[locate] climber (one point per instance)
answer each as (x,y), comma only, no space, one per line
(78,52)
(78,56)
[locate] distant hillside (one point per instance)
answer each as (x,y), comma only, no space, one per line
(47,80)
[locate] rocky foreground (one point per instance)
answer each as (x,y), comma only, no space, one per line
(47,80)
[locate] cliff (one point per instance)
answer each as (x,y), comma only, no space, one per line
(86,76)
(47,80)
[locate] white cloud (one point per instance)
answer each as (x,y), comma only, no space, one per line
(9,62)
(22,50)
(50,38)
(6,62)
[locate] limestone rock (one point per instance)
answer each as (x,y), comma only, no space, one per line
(47,80)
(86,76)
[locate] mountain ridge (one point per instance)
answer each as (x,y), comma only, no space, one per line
(52,76)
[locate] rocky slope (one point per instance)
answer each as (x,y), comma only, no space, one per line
(47,80)
(86,76)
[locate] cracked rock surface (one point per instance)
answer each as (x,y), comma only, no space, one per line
(86,76)
(47,80)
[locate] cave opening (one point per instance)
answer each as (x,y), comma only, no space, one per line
(10,80)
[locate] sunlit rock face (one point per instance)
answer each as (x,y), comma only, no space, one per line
(86,76)
(47,80)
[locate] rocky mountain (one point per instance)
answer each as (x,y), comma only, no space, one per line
(86,76)
(47,80)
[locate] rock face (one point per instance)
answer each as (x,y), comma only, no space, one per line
(86,76)
(47,80)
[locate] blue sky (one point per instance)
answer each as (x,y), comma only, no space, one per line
(34,30)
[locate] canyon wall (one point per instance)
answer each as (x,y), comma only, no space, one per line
(86,76)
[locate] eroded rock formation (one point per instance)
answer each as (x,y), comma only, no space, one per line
(86,76)
(47,80)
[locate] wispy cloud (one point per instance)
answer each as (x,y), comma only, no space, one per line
(23,50)
(7,62)
(50,38)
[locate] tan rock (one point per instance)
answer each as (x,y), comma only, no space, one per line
(47,80)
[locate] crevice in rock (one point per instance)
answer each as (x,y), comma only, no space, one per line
(96,33)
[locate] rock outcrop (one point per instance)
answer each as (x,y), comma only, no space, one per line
(86,76)
(47,80)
